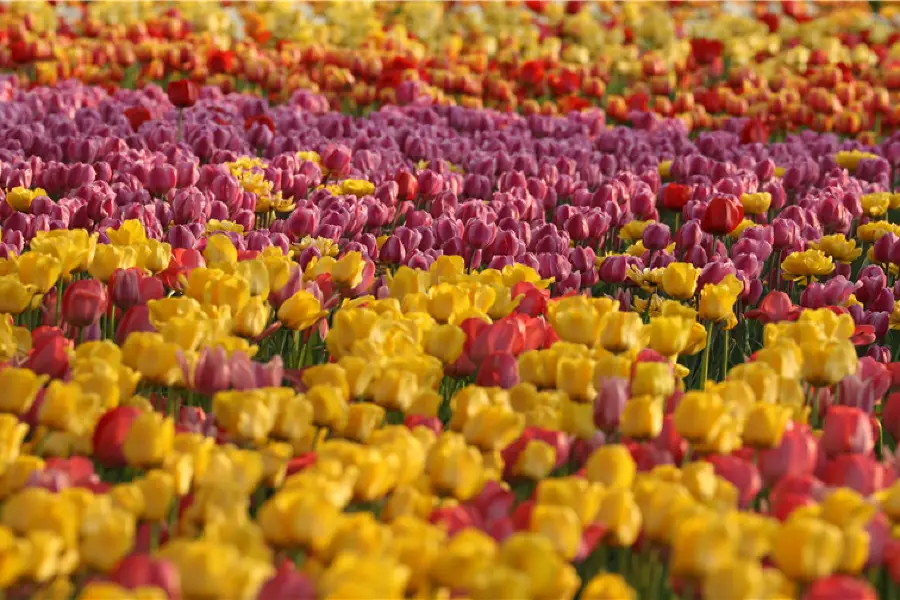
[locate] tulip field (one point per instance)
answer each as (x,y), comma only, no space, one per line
(499,300)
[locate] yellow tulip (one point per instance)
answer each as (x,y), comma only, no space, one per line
(301,311)
(612,466)
(15,296)
(39,270)
(679,280)
(806,549)
(149,440)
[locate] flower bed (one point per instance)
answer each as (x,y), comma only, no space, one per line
(540,300)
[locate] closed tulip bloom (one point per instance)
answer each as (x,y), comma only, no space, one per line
(757,203)
(679,280)
(702,545)
(699,416)
(149,440)
(847,430)
(84,302)
(675,196)
(142,571)
(183,93)
(717,300)
(110,433)
(621,515)
(22,387)
(15,296)
(612,466)
(723,215)
(39,270)
(642,417)
(608,586)
(828,363)
(740,580)
(807,549)
(652,378)
(669,336)
(301,311)
(765,425)
(620,331)
(536,461)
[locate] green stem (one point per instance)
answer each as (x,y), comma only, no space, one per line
(704,373)
(725,354)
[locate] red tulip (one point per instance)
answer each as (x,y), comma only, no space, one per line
(705,51)
(847,430)
(136,318)
(559,440)
(676,195)
(432,423)
(109,435)
(754,131)
(840,587)
(647,456)
(84,302)
(184,260)
(533,301)
(183,93)
(298,463)
(740,472)
(143,570)
(774,308)
(723,215)
(220,61)
(771,21)
(264,120)
(493,501)
(137,116)
(891,415)
(130,287)
(859,472)
(504,336)
(455,518)
(671,441)
(796,455)
(49,355)
(287,584)
(500,369)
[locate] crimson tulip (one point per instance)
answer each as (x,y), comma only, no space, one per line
(143,570)
(137,116)
(706,51)
(109,435)
(740,472)
(500,369)
(847,430)
(722,216)
(774,308)
(796,455)
(287,584)
(84,302)
(754,131)
(49,354)
(183,93)
(136,318)
(859,472)
(676,195)
(844,587)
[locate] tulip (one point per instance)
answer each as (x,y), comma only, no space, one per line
(110,433)
(141,570)
(182,93)
(722,216)
(84,302)
(847,429)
